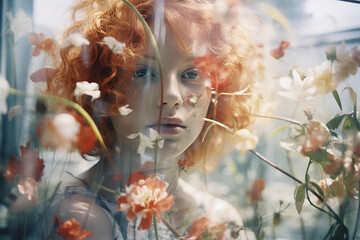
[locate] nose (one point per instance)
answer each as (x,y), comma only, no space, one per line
(171,93)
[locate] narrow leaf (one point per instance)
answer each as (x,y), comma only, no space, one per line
(335,122)
(337,98)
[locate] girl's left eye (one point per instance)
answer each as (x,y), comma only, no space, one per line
(190,75)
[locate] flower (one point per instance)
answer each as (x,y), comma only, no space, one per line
(15,111)
(322,78)
(91,89)
(185,164)
(41,44)
(309,112)
(145,141)
(346,63)
(75,39)
(58,132)
(4,91)
(317,136)
(28,186)
(192,98)
(115,46)
(204,228)
(29,165)
(20,25)
(125,110)
(66,131)
(279,51)
(70,229)
(244,140)
(146,197)
(256,189)
(210,67)
(296,88)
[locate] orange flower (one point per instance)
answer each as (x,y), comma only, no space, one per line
(70,229)
(185,164)
(86,138)
(29,165)
(211,68)
(255,192)
(66,131)
(146,197)
(204,228)
(279,52)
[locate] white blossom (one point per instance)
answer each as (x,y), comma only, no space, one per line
(19,25)
(146,141)
(125,110)
(91,89)
(4,91)
(297,89)
(115,46)
(75,39)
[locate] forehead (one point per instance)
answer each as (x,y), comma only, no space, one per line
(176,43)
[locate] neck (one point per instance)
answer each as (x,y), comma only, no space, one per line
(128,162)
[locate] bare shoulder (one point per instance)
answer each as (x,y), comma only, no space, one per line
(88,213)
(218,210)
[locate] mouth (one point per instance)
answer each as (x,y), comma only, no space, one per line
(170,126)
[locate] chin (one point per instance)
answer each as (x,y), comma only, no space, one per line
(170,150)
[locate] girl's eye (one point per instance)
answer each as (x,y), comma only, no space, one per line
(144,72)
(190,75)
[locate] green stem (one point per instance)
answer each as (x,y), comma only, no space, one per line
(155,228)
(177,181)
(219,124)
(333,214)
(170,227)
(158,58)
(76,107)
(99,186)
(357,218)
(281,118)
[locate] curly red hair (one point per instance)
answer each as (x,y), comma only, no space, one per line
(95,19)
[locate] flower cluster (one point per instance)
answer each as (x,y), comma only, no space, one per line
(146,197)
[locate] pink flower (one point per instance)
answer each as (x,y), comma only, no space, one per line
(279,51)
(185,164)
(146,197)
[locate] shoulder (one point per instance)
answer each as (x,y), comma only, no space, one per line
(218,210)
(84,210)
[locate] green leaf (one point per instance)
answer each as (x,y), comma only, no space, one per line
(349,127)
(337,98)
(320,156)
(335,122)
(299,196)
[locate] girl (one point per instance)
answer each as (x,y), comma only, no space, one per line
(153,115)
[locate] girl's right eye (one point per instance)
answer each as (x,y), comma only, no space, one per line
(144,72)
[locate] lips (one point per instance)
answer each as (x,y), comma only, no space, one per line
(170,126)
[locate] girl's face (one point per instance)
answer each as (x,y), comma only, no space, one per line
(185,100)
